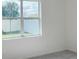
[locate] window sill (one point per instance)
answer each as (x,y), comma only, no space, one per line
(21,37)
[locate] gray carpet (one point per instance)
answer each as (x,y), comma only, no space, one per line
(59,55)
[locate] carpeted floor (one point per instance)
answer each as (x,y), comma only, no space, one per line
(59,55)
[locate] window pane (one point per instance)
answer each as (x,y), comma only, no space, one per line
(31,13)
(6,25)
(10,28)
(15,25)
(30,9)
(11,8)
(10,22)
(31,26)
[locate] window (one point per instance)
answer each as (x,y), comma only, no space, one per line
(20,18)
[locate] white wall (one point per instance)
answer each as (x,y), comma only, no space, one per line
(71,24)
(52,40)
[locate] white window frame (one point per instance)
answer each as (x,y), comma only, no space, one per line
(22,21)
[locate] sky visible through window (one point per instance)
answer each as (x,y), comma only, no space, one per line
(30,9)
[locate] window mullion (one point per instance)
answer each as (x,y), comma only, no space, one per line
(22,21)
(39,14)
